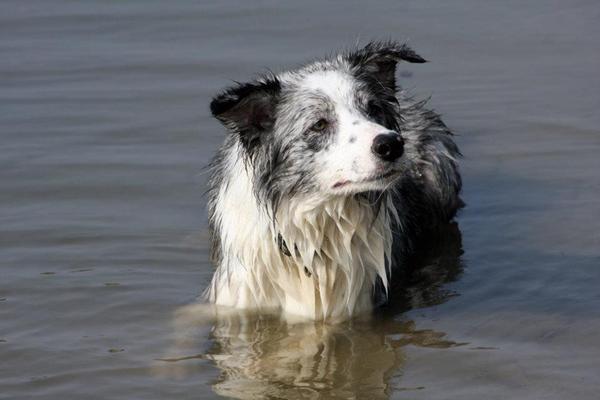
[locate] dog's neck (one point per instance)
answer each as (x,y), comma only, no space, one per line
(313,258)
(340,248)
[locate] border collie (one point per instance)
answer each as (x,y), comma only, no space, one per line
(329,173)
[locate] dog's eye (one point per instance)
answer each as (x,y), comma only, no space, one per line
(374,110)
(320,125)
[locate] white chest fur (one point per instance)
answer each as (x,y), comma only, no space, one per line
(337,250)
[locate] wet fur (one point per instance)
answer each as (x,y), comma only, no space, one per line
(280,241)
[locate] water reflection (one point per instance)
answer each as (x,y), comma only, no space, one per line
(265,356)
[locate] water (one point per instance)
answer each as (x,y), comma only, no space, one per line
(103,238)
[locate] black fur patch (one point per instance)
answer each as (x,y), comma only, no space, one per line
(248,109)
(379,59)
(382,110)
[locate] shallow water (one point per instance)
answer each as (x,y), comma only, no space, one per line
(103,238)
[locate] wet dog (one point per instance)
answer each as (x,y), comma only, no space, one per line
(328,174)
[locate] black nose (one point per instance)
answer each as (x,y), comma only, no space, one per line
(388,146)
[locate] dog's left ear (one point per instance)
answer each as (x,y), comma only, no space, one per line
(248,109)
(378,60)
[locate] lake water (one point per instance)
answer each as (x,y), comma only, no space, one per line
(105,129)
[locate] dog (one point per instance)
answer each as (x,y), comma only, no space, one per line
(329,173)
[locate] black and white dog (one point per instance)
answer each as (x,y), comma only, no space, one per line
(328,174)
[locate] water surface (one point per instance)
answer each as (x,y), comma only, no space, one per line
(103,237)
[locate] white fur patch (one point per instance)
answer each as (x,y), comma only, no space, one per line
(339,248)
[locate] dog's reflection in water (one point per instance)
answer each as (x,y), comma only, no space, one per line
(265,356)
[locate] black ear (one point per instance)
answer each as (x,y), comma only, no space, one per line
(248,109)
(378,60)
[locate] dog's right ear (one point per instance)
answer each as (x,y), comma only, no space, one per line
(378,60)
(248,109)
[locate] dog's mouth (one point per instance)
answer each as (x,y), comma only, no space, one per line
(375,178)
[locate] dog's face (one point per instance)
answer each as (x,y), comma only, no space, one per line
(332,127)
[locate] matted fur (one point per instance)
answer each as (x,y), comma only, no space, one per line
(308,220)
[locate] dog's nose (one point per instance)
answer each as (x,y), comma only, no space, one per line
(388,146)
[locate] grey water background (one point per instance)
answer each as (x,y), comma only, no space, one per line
(105,129)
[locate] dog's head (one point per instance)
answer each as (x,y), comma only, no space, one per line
(332,127)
